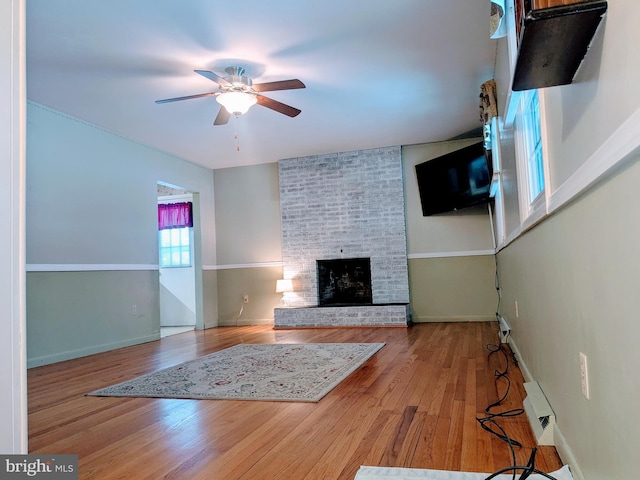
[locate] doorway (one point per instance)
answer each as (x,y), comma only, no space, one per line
(180,273)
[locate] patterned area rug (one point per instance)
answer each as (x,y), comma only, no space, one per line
(274,372)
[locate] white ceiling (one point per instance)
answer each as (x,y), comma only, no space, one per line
(377,72)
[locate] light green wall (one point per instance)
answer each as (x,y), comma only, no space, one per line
(453,289)
(451,265)
(73,314)
(210,298)
(575,278)
(249,247)
(257,282)
(249,243)
(575,274)
(91,204)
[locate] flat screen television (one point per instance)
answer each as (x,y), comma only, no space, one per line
(455,181)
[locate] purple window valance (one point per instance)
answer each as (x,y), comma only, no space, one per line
(175,215)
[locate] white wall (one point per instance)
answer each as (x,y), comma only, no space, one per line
(90,192)
(13,383)
(248,214)
(604,93)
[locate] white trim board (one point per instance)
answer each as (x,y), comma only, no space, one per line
(242,265)
(611,155)
(462,253)
(109,267)
(73,267)
(614,153)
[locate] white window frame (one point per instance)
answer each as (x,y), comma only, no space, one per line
(532,210)
(497,214)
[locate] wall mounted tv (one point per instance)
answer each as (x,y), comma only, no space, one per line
(454,181)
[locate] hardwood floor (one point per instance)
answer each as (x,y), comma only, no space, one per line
(414,404)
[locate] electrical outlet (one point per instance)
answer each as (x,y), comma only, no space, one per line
(134,310)
(584,375)
(245,298)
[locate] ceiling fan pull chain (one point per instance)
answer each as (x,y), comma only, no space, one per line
(235,135)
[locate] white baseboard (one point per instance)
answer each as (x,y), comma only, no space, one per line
(466,318)
(83,352)
(566,454)
(247,323)
(563,448)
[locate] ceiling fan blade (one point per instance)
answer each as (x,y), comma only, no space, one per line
(281,85)
(188,97)
(213,77)
(223,117)
(278,106)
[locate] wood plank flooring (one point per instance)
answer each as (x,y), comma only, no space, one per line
(414,404)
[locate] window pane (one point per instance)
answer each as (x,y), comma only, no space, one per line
(537,173)
(533,145)
(175,248)
(165,238)
(165,258)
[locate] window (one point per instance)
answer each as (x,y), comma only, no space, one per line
(533,152)
(530,157)
(175,247)
(174,234)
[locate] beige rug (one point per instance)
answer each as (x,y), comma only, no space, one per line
(273,372)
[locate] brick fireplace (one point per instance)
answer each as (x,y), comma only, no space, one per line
(346,205)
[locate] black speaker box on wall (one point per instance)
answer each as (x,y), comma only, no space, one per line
(553,42)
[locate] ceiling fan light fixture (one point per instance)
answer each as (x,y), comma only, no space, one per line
(237,103)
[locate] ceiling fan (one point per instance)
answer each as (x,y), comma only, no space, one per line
(236,93)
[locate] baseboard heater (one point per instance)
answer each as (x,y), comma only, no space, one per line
(539,412)
(505,329)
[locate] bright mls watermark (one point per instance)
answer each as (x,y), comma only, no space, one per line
(51,467)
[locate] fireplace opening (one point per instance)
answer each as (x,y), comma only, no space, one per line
(344,282)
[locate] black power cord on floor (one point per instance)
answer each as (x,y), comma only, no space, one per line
(527,469)
(490,424)
(497,286)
